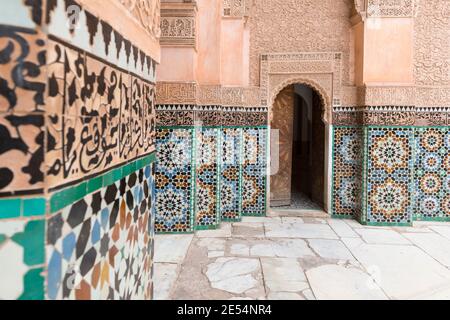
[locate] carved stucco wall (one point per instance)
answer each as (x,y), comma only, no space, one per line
(147,14)
(432,44)
(300,26)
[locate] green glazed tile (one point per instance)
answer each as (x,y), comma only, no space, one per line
(10,208)
(79,192)
(127,170)
(108,179)
(94,184)
(2,238)
(32,241)
(33,285)
(34,207)
(117,174)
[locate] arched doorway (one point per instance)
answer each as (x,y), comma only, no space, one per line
(299,145)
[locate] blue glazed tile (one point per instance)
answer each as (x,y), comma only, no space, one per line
(54,274)
(95,236)
(105,218)
(69,243)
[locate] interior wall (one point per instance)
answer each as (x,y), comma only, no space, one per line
(80,126)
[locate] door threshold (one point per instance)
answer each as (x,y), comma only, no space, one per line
(300,213)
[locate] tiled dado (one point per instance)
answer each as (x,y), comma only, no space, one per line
(432,173)
(347,171)
(372,174)
(404,173)
(389,172)
(205,175)
(101,245)
(97,235)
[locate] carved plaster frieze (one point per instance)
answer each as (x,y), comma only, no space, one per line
(146,13)
(179,24)
(184,93)
(390,8)
(176,93)
(236,8)
(385,8)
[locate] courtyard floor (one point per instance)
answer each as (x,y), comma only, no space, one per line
(285,257)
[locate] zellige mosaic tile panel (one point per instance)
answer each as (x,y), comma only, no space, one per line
(207,178)
(347,171)
(254,171)
(432,173)
(389,166)
(230,174)
(175,174)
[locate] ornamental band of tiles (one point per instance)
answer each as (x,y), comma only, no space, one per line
(77,152)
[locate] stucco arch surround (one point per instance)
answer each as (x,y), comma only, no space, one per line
(324,97)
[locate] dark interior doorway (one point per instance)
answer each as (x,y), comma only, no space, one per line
(308,151)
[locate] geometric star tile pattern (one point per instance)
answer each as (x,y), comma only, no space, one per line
(207,176)
(230,180)
(175,174)
(100,247)
(254,171)
(432,173)
(389,175)
(347,168)
(209,173)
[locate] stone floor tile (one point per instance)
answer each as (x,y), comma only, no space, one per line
(433,244)
(165,276)
(342,229)
(299,230)
(331,282)
(172,248)
(260,219)
(223,232)
(381,236)
(248,230)
(283,274)
(284,296)
(281,248)
(330,249)
(442,230)
(235,275)
(403,272)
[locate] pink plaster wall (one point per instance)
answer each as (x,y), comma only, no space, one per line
(388,51)
(208,62)
(232,54)
(177,64)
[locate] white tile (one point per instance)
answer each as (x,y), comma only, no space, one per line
(331,282)
(283,274)
(403,272)
(281,248)
(172,248)
(330,249)
(12,271)
(165,276)
(299,230)
(223,232)
(433,244)
(342,229)
(443,230)
(381,236)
